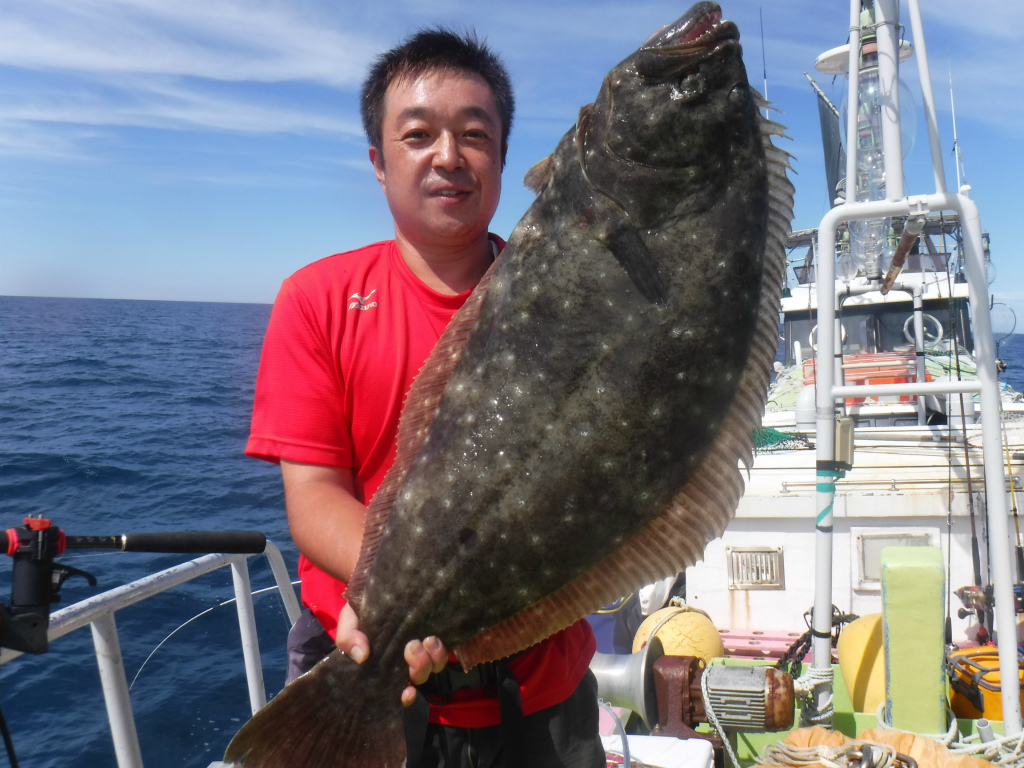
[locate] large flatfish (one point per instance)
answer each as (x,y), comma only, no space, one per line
(578,430)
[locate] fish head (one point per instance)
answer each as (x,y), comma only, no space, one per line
(679,105)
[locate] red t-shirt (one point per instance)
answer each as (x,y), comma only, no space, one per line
(346,338)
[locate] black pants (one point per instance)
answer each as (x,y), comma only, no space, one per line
(308,643)
(562,736)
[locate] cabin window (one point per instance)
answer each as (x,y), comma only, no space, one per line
(883,328)
(870,542)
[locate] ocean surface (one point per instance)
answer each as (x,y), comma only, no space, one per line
(128,416)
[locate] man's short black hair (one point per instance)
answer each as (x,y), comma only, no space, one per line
(436,49)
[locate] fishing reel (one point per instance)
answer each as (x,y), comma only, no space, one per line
(37,578)
(977,599)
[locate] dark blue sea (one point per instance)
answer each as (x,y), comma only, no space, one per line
(127,416)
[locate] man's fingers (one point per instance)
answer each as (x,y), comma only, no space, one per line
(349,639)
(437,652)
(408,696)
(425,657)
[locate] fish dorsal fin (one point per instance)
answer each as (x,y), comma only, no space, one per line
(417,414)
(701,509)
(539,174)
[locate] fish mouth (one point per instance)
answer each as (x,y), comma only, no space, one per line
(697,35)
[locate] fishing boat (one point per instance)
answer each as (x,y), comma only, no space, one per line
(886,424)
(917,475)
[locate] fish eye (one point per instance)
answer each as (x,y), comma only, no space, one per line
(739,95)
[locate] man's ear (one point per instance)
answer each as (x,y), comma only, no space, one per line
(377,158)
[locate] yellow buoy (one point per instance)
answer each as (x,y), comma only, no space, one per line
(683,632)
(862,662)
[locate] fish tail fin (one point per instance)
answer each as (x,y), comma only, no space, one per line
(339,713)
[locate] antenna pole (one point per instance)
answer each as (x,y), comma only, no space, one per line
(956,144)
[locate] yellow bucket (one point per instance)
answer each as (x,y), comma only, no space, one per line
(974,682)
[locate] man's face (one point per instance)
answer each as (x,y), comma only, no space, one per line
(441,164)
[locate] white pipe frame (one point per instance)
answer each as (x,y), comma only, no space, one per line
(987,384)
(98,613)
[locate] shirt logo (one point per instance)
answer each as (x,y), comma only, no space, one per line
(360,302)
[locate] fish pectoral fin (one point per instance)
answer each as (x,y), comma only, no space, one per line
(631,252)
(539,175)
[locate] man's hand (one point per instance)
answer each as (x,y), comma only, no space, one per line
(424,657)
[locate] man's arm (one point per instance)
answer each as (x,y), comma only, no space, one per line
(326,522)
(325,518)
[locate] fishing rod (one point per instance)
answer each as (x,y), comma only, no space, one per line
(37,578)
(984,615)
(1013,507)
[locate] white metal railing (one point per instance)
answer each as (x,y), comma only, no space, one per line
(98,612)
(898,204)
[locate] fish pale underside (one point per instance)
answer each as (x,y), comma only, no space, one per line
(578,429)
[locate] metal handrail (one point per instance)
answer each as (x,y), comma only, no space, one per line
(98,612)
(897,204)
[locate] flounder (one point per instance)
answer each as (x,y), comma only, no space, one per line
(578,429)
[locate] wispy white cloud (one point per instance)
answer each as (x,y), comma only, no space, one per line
(226,40)
(186,65)
(166,104)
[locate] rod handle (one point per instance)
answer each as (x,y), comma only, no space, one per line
(180,542)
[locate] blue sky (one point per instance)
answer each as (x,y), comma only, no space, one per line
(205,149)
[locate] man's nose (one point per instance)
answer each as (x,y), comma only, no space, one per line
(448,154)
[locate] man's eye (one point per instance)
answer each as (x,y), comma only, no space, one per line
(414,135)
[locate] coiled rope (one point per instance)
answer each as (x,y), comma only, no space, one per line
(864,754)
(811,713)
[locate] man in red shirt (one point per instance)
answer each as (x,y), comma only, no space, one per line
(346,337)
